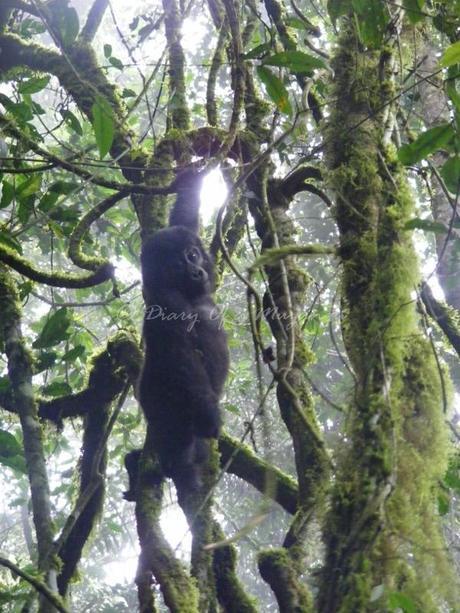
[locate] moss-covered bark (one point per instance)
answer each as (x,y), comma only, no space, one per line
(382,520)
(20,375)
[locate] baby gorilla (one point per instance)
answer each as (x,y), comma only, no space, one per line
(186,354)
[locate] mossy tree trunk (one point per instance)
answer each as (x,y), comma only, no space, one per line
(383,516)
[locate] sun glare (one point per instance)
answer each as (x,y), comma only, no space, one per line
(213,193)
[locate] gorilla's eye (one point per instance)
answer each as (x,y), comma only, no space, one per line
(192,255)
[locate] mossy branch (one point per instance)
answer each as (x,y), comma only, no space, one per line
(36,584)
(273,255)
(230,592)
(20,375)
(179,113)
(259,473)
(109,370)
(75,252)
(276,568)
(71,281)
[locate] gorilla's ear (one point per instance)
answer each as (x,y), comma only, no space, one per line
(185,211)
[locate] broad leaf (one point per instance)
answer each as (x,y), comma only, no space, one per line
(372,20)
(295,61)
(66,18)
(338,8)
(55,330)
(414,10)
(72,121)
(451,55)
(426,143)
(116,63)
(103,125)
(11,452)
(257,52)
(7,194)
(57,388)
(450,172)
(425,224)
(275,89)
(34,85)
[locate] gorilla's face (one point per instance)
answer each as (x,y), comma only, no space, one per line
(174,259)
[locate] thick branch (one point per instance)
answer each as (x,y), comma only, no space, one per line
(24,267)
(259,473)
(20,374)
(122,359)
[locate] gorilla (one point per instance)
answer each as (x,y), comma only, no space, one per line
(186,354)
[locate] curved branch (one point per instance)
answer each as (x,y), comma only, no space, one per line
(121,359)
(75,253)
(70,281)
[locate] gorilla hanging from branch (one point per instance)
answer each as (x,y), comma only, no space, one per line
(186,354)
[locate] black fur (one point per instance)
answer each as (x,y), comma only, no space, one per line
(186,355)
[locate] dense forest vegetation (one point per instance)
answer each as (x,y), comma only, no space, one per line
(325,139)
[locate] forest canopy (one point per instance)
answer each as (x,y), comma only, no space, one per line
(323,141)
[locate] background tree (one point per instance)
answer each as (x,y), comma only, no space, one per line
(335,128)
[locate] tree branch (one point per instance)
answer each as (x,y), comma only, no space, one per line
(93,21)
(68,280)
(259,473)
(444,316)
(38,585)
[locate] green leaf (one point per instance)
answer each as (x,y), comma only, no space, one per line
(7,239)
(450,172)
(7,194)
(29,187)
(34,85)
(372,20)
(116,63)
(426,143)
(257,52)
(275,90)
(451,86)
(57,388)
(425,224)
(396,600)
(72,121)
(11,452)
(45,360)
(103,125)
(338,8)
(128,93)
(66,20)
(296,61)
(451,55)
(55,330)
(64,187)
(414,10)
(107,51)
(74,353)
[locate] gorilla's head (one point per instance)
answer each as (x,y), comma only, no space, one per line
(174,259)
